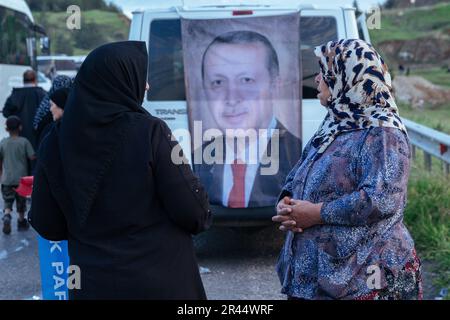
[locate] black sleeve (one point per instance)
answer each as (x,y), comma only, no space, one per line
(45,215)
(181,193)
(43,124)
(10,108)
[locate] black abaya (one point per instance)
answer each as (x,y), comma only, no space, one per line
(105,181)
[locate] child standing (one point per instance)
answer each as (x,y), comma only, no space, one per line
(15,151)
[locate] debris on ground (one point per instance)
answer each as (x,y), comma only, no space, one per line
(419,92)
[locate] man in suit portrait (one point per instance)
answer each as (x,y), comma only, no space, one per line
(240,74)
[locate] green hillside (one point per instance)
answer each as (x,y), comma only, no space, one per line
(417,38)
(97,27)
(413,23)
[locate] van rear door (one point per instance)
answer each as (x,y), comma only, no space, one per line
(161,30)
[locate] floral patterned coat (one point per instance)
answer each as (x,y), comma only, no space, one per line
(361,179)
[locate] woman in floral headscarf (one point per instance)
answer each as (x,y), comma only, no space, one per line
(43,118)
(342,204)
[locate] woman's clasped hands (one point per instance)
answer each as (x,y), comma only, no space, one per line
(297,215)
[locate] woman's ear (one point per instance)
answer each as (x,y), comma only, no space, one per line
(317,78)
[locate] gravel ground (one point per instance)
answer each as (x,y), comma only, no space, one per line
(241,263)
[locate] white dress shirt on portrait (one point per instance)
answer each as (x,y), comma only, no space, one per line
(250,172)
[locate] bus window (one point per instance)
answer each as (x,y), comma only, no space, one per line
(14,31)
(166,68)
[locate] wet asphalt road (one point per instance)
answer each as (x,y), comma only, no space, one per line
(19,264)
(239,264)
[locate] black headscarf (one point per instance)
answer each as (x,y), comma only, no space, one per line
(59,97)
(109,86)
(43,115)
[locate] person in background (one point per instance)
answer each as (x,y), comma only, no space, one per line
(23,102)
(43,118)
(57,99)
(57,103)
(15,151)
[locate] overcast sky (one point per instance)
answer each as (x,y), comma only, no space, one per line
(130,5)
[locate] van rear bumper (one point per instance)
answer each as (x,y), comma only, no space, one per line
(242,217)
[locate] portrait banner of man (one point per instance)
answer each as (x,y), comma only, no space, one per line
(244,104)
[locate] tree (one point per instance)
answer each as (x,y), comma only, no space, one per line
(90,36)
(389,4)
(62,5)
(62,45)
(358,11)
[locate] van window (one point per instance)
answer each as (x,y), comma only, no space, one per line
(314,31)
(166,69)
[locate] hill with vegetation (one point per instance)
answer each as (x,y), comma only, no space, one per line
(415,35)
(390,4)
(62,5)
(100,23)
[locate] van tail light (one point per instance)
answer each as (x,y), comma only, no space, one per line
(242,12)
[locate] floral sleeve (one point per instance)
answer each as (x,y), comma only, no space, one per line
(287,188)
(382,172)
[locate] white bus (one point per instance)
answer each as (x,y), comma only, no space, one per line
(18,38)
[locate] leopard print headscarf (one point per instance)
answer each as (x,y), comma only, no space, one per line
(360,86)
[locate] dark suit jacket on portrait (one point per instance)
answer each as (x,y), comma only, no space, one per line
(265,187)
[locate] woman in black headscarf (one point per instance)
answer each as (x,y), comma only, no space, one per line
(106,182)
(43,120)
(58,101)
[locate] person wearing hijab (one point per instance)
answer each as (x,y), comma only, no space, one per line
(342,204)
(106,181)
(58,102)
(43,118)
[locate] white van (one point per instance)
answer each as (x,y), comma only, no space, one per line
(160,28)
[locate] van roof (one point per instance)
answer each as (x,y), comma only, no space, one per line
(187,5)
